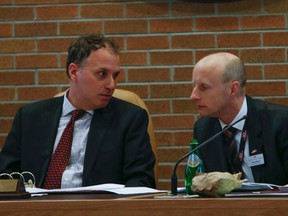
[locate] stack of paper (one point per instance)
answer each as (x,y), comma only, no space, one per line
(108,188)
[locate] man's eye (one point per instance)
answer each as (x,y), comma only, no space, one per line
(115,75)
(203,88)
(102,73)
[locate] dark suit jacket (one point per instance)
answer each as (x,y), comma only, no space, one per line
(118,147)
(267,127)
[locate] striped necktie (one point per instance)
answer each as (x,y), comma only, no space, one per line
(233,155)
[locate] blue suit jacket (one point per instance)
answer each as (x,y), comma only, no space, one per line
(118,147)
(267,127)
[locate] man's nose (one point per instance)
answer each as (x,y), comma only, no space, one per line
(194,95)
(111,83)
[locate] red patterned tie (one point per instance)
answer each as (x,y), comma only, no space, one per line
(61,155)
(234,162)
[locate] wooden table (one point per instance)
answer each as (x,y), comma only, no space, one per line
(115,205)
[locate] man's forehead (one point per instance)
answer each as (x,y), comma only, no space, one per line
(207,76)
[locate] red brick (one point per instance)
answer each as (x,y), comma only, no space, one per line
(133,58)
(263,22)
(53,77)
(2,138)
(36,61)
(183,73)
(17,46)
(147,42)
(125,26)
(216,23)
(6,62)
(63,59)
(165,171)
(184,106)
(171,154)
(254,72)
(148,75)
(122,76)
(147,9)
(266,88)
(171,25)
(140,90)
(279,6)
(171,91)
(275,39)
(54,45)
(7,94)
(36,93)
(158,106)
(240,7)
(17,78)
(87,1)
(63,88)
(5,30)
(171,58)
(80,27)
(102,11)
(16,13)
(5,125)
(263,55)
(192,8)
(182,138)
(278,100)
(276,71)
(56,12)
(165,138)
(6,2)
(35,29)
(9,109)
(33,2)
(119,40)
(193,41)
(239,40)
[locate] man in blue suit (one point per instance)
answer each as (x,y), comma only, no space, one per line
(110,140)
(261,140)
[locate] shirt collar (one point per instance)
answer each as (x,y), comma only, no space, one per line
(67,107)
(243,111)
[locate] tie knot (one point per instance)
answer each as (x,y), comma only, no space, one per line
(77,114)
(230,132)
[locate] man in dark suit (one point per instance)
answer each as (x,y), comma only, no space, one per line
(110,140)
(261,139)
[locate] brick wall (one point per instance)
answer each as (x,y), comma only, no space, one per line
(160,42)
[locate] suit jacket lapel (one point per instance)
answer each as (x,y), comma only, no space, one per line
(47,133)
(215,154)
(254,130)
(99,125)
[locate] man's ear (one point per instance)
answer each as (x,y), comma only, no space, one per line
(72,70)
(235,87)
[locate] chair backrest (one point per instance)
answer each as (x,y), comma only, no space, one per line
(135,99)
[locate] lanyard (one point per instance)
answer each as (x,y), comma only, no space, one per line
(242,143)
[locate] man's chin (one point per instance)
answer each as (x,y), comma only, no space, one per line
(204,114)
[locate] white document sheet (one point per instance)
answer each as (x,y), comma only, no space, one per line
(113,188)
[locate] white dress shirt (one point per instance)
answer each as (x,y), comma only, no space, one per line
(72,176)
(243,111)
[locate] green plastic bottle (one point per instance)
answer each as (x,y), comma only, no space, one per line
(194,166)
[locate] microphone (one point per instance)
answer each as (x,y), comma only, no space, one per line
(174,180)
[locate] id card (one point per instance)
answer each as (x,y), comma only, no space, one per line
(255,160)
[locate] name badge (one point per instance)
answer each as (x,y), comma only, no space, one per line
(255,160)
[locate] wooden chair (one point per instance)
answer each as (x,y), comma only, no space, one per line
(135,99)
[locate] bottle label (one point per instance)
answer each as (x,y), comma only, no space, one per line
(193,160)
